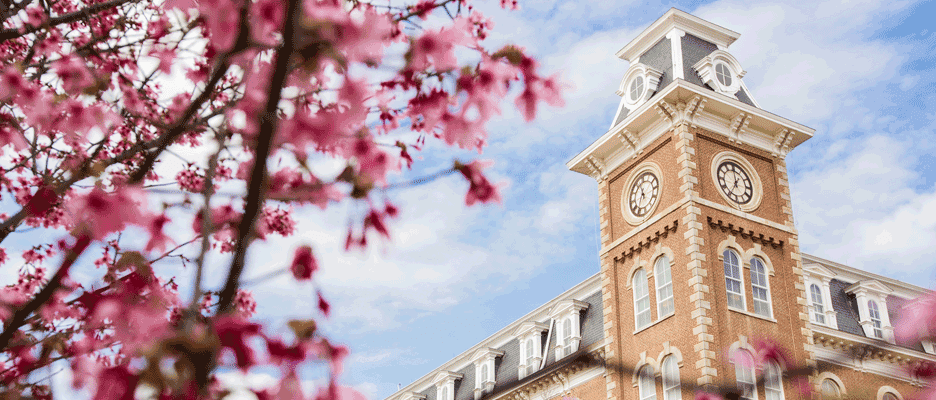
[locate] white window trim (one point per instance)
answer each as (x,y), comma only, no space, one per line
(706,69)
(656,283)
(485,357)
(740,278)
(864,291)
(651,78)
(568,310)
(766,287)
(530,330)
(822,277)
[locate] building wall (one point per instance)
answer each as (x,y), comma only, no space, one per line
(702,329)
(863,385)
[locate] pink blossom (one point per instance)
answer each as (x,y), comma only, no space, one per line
(74,73)
(158,240)
(35,17)
(916,320)
(323,305)
(116,383)
(480,189)
(99,212)
(244,303)
(436,48)
(742,358)
(222,19)
(165,56)
(707,396)
(303,264)
(276,220)
(234,333)
(768,350)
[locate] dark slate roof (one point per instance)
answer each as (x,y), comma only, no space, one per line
(846,308)
(505,368)
(660,57)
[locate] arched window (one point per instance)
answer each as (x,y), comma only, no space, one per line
(733,284)
(830,389)
(875,313)
(671,389)
(567,337)
(664,287)
(889,396)
(759,288)
(443,395)
(484,373)
(641,299)
(646,385)
(773,382)
(744,374)
(818,308)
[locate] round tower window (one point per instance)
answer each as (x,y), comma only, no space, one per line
(636,88)
(723,73)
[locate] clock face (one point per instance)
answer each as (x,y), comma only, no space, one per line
(735,182)
(644,193)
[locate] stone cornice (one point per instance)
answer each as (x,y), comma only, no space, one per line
(682,102)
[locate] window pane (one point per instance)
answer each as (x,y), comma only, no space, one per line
(745,378)
(875,318)
(830,389)
(671,388)
(733,280)
(759,288)
(818,308)
(647,385)
(641,299)
(664,283)
(773,384)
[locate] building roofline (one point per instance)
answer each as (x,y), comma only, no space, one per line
(503,334)
(917,290)
(678,19)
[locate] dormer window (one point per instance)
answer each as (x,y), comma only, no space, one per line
(818,280)
(445,385)
(721,71)
(567,314)
(484,370)
(872,309)
(639,84)
(530,335)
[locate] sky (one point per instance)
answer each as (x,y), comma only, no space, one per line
(864,187)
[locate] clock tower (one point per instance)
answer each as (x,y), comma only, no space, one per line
(699,253)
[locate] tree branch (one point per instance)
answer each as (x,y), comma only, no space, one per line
(257,192)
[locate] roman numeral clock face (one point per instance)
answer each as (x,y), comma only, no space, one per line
(735,182)
(644,193)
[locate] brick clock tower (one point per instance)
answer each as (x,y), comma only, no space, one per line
(699,253)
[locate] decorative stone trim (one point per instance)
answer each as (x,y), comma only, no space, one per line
(646,243)
(828,375)
(568,310)
(745,234)
(644,361)
(888,389)
(669,350)
(706,67)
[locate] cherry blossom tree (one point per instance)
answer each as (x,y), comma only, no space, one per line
(96,94)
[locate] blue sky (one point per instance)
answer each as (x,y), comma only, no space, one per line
(864,188)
